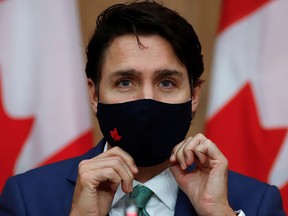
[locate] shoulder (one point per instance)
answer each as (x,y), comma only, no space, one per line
(243,187)
(50,172)
(35,191)
(253,196)
(237,179)
(44,178)
(58,171)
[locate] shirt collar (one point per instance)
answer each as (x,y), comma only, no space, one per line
(163,185)
(165,188)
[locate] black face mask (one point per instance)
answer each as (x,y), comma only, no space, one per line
(146,129)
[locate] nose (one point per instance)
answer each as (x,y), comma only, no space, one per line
(147,92)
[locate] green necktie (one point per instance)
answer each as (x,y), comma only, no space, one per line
(141,196)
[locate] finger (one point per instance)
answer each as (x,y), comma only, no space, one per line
(210,149)
(176,171)
(116,163)
(182,155)
(209,152)
(99,163)
(189,148)
(117,151)
(179,154)
(175,150)
(123,170)
(91,179)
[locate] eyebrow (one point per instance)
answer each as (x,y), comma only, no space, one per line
(167,72)
(128,73)
(137,74)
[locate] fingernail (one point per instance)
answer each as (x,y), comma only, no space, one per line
(183,166)
(131,187)
(172,157)
(135,169)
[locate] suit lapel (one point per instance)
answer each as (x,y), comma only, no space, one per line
(90,154)
(184,206)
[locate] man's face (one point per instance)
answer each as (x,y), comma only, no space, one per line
(131,73)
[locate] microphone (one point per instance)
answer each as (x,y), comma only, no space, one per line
(131,208)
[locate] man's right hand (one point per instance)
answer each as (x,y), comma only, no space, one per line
(98,180)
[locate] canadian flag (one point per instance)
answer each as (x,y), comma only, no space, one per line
(44,107)
(248,107)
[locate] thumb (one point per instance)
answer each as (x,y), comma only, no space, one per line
(176,171)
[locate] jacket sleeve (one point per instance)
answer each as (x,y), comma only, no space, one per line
(271,203)
(11,200)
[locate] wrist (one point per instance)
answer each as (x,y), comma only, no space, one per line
(225,211)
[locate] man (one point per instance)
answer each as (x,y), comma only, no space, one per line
(144,65)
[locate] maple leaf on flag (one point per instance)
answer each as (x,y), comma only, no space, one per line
(114,134)
(250,148)
(13,133)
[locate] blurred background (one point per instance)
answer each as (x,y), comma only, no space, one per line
(45,114)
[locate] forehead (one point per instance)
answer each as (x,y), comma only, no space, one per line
(150,53)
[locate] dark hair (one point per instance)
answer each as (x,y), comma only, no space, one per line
(144,18)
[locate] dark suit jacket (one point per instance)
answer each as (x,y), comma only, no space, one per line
(48,191)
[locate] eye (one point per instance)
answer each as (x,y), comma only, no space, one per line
(167,84)
(124,83)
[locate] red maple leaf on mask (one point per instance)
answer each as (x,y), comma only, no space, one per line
(114,134)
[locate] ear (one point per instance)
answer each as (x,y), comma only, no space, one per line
(92,95)
(195,98)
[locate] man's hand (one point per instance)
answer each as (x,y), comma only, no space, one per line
(98,180)
(206,185)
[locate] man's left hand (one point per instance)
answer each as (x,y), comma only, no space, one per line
(206,184)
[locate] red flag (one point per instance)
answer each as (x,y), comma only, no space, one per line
(44,107)
(248,107)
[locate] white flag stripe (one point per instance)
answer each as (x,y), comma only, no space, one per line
(257,54)
(42,59)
